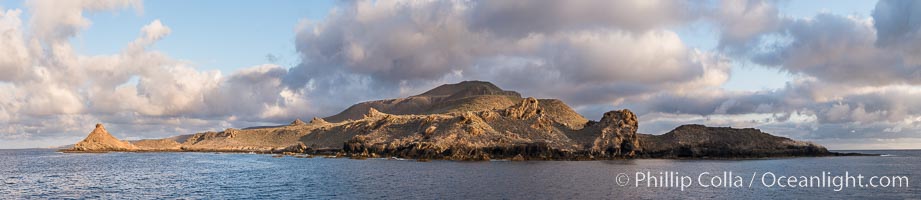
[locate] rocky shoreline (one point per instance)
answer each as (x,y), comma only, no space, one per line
(471,120)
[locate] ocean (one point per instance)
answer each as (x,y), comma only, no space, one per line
(46,174)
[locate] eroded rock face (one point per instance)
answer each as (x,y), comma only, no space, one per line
(99,140)
(527,109)
(617,135)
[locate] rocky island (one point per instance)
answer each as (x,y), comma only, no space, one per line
(472,120)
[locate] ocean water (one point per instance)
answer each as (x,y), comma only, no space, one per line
(44,174)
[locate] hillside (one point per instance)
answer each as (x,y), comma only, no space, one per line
(459,97)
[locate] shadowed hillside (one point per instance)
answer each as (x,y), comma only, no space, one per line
(701,141)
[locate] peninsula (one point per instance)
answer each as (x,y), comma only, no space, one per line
(471,120)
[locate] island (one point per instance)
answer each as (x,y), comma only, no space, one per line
(470,120)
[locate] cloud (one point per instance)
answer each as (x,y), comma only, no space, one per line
(740,22)
(840,49)
(53,91)
(518,19)
(150,34)
(852,50)
(579,52)
(12,46)
(897,22)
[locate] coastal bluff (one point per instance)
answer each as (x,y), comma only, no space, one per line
(471,120)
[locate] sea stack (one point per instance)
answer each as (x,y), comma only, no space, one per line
(101,141)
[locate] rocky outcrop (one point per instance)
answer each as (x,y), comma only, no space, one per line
(526,109)
(317,120)
(296,148)
(372,113)
(616,135)
(298,122)
(99,140)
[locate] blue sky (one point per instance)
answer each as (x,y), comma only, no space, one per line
(225,36)
(843,77)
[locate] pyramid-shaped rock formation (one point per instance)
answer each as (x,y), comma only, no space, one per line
(101,141)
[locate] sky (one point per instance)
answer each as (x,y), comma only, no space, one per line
(844,74)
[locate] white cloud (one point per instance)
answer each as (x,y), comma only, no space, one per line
(51,90)
(12,46)
(580,52)
(741,21)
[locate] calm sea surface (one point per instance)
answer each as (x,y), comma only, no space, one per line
(43,174)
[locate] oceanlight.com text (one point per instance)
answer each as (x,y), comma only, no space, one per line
(730,179)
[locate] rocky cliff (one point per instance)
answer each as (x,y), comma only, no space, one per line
(474,120)
(99,140)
